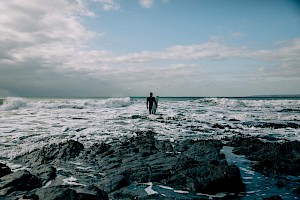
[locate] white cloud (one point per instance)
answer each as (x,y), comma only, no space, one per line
(146,3)
(284,59)
(26,24)
(44,41)
(211,50)
(109,5)
(288,51)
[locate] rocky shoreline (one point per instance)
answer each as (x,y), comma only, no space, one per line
(139,167)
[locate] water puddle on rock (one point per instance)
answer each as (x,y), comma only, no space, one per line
(259,186)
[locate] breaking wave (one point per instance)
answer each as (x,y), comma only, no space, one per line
(15,103)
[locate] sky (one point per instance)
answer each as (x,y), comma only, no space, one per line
(119,48)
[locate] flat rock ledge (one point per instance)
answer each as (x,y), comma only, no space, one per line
(70,171)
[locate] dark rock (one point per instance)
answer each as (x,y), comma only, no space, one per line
(199,158)
(281,184)
(277,197)
(57,193)
(165,146)
(91,193)
(273,125)
(143,159)
(54,152)
(114,183)
(4,170)
(297,191)
(18,181)
(31,197)
(45,173)
(197,166)
(67,192)
(95,150)
(63,151)
(234,120)
(145,142)
(271,157)
(220,126)
(125,193)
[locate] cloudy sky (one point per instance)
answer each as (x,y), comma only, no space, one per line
(131,47)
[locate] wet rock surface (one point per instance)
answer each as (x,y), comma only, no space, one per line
(68,192)
(141,166)
(273,125)
(4,170)
(195,166)
(53,153)
(272,157)
(276,159)
(45,173)
(68,170)
(18,181)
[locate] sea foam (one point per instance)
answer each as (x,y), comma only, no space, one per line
(13,103)
(28,123)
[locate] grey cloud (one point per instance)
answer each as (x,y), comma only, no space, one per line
(33,80)
(42,54)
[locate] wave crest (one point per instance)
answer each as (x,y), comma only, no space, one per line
(13,103)
(118,102)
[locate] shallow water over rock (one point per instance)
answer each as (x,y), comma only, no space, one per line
(260,186)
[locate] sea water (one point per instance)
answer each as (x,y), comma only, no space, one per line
(30,123)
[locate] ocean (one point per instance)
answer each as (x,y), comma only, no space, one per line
(30,123)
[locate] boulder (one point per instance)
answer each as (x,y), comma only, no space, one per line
(277,197)
(4,170)
(57,193)
(45,173)
(91,193)
(30,197)
(272,157)
(63,151)
(189,165)
(193,165)
(114,182)
(52,153)
(18,181)
(71,193)
(201,168)
(297,191)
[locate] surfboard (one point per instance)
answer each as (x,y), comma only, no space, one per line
(155,105)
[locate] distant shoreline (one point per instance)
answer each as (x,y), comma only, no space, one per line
(277,96)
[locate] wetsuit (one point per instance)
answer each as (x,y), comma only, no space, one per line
(151,100)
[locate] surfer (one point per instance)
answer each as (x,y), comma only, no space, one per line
(150,101)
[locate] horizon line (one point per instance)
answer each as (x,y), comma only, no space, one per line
(248,96)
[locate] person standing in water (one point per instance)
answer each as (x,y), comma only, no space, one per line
(150,102)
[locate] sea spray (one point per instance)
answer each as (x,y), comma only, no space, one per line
(13,103)
(28,122)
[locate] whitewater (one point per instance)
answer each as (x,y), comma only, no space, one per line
(27,124)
